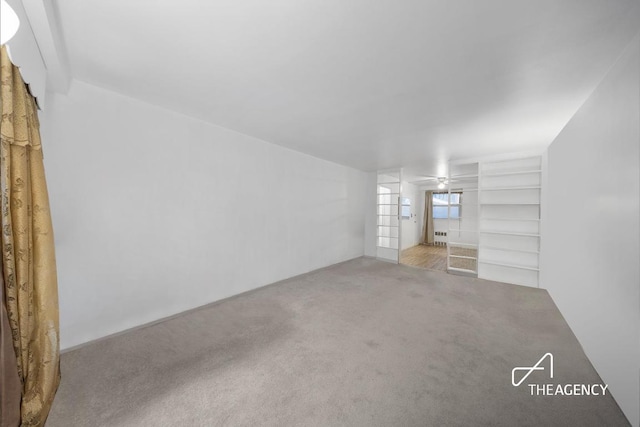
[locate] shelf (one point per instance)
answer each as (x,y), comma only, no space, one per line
(510,204)
(533,187)
(511,219)
(463,176)
(509,233)
(462,270)
(495,248)
(463,257)
(468,245)
(502,264)
(514,172)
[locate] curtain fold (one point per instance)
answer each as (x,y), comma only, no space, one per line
(427,228)
(10,386)
(28,258)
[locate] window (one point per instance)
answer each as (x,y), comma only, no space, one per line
(441,205)
(406,208)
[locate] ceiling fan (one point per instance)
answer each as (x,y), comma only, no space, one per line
(441,180)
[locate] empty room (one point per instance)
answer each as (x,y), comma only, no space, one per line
(320,213)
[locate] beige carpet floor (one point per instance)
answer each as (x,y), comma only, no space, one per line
(362,343)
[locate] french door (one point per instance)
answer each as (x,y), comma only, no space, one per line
(388,234)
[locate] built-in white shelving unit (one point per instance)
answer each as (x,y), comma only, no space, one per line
(462,231)
(509,229)
(497,234)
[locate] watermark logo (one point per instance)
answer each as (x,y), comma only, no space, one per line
(530,369)
(550,389)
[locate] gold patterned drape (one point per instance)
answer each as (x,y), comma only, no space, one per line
(28,259)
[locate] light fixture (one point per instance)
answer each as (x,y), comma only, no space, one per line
(9,22)
(441,183)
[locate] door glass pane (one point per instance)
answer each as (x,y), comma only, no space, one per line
(388,210)
(388,220)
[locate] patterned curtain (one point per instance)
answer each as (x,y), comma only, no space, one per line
(10,386)
(427,228)
(28,259)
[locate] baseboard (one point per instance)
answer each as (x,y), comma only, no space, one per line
(192,310)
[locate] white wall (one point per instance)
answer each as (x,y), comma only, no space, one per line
(156,213)
(410,226)
(420,210)
(371,191)
(25,53)
(591,248)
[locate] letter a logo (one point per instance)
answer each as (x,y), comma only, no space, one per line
(530,369)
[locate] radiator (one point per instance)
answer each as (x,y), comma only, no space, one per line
(440,238)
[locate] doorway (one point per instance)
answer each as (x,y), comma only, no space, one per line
(416,250)
(425,256)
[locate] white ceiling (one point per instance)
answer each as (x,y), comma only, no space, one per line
(367,84)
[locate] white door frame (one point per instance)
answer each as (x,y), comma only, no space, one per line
(388,234)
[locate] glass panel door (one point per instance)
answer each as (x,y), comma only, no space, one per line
(388,215)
